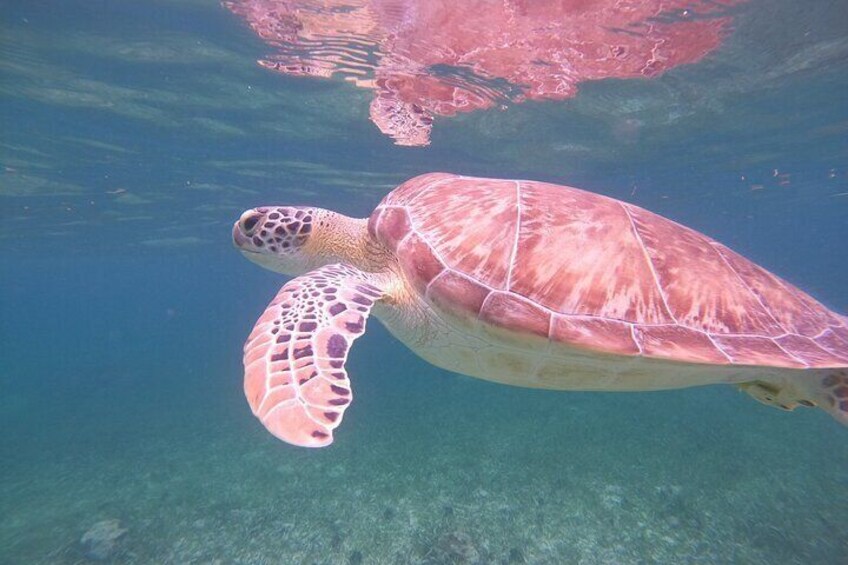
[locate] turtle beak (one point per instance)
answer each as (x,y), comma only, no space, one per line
(245,228)
(239,239)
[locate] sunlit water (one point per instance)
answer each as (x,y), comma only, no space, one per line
(134,133)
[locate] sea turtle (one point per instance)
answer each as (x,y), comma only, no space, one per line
(528,284)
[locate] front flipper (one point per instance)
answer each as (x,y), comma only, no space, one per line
(294,374)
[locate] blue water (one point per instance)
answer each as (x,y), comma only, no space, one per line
(133,135)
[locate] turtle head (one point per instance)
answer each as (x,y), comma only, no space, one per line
(278,237)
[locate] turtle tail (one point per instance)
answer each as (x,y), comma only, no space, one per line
(825,388)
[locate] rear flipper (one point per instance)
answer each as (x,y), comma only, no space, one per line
(827,389)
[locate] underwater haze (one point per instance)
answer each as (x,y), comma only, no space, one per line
(134,133)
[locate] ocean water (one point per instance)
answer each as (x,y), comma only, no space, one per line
(132,135)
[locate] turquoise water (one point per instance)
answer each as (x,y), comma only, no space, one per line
(134,134)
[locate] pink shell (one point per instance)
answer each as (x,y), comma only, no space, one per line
(538,259)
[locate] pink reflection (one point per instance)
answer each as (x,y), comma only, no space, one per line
(431,58)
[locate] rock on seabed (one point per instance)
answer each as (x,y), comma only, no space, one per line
(100,542)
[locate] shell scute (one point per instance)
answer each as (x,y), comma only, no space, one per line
(453,292)
(419,262)
(594,334)
(680,344)
(458,220)
(390,226)
(506,310)
(804,348)
(577,254)
(834,344)
(715,300)
(795,311)
(754,350)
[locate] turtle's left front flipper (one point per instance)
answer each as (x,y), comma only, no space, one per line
(294,359)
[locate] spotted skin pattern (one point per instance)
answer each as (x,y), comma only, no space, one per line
(278,229)
(294,360)
(835,386)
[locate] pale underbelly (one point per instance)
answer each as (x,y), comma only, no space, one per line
(539,364)
(564,371)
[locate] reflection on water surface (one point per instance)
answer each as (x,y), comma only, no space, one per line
(438,58)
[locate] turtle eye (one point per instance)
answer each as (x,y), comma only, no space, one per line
(249,222)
